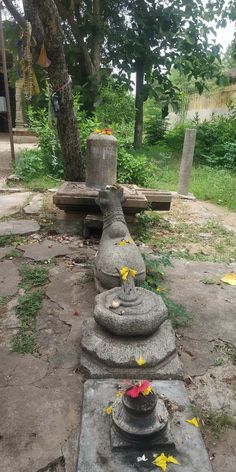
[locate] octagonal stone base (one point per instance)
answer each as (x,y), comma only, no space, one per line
(105,355)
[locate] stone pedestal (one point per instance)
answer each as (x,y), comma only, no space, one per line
(130,323)
(95,449)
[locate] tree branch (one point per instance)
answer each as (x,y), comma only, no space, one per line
(68,15)
(15,13)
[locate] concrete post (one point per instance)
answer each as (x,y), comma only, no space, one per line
(101,160)
(187,161)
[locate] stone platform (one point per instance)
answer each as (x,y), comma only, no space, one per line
(95,453)
(76,196)
(105,355)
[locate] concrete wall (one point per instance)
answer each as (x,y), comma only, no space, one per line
(206,104)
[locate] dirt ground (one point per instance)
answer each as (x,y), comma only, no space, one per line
(41,393)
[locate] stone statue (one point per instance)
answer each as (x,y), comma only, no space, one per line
(116,249)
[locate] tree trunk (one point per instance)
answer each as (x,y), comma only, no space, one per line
(138,130)
(60,81)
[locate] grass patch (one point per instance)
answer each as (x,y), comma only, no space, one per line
(42,183)
(154,279)
(11,240)
(26,310)
(14,254)
(216,422)
(207,183)
(33,276)
(207,242)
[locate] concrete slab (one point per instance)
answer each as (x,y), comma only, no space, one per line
(211,306)
(95,450)
(12,203)
(35,205)
(4,251)
(39,422)
(46,249)
(9,227)
(9,278)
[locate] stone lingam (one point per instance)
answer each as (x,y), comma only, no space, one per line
(140,421)
(116,249)
(130,334)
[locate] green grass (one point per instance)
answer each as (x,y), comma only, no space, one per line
(26,310)
(33,276)
(42,183)
(207,183)
(153,282)
(9,240)
(14,254)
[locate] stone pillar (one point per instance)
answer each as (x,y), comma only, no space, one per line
(101,160)
(19,108)
(187,161)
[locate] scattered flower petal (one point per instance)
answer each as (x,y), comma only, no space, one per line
(108,410)
(194,422)
(142,458)
(137,389)
(162,461)
(125,271)
(119,394)
(140,361)
(172,459)
(229,278)
(160,290)
(147,391)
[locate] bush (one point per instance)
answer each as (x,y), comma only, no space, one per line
(215,143)
(155,128)
(29,164)
(132,169)
(49,146)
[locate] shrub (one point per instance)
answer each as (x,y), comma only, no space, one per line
(132,169)
(29,164)
(215,143)
(49,146)
(155,128)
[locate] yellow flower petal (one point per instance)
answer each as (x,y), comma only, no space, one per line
(172,459)
(133,272)
(161,461)
(122,243)
(229,278)
(194,422)
(119,394)
(124,272)
(108,410)
(97,131)
(147,391)
(140,361)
